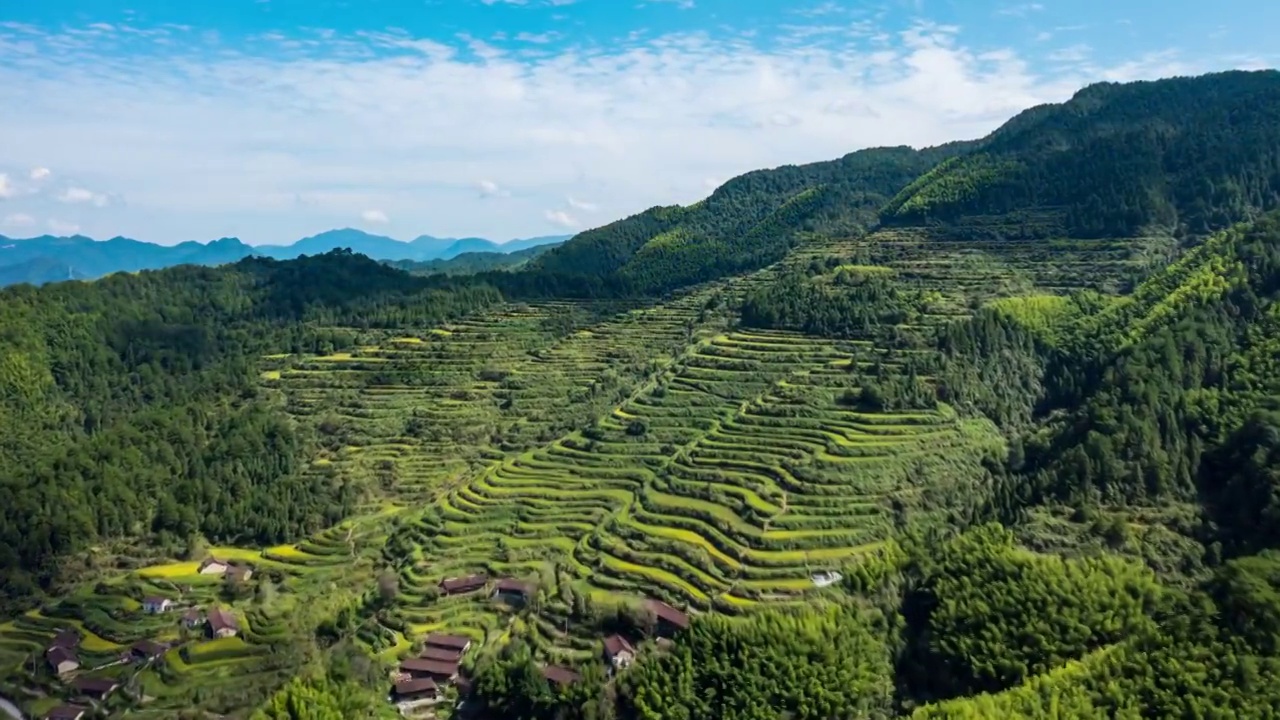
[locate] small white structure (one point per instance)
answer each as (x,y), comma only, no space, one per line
(826,578)
(153,605)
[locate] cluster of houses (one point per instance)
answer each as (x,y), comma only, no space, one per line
(619,653)
(62,659)
(424,677)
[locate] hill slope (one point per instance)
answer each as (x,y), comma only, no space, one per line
(1191,154)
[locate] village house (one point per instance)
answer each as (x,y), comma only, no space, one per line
(669,620)
(417,689)
(512,591)
(68,639)
(212,566)
(67,712)
(222,623)
(460,585)
(192,618)
(96,688)
(239,573)
(153,605)
(437,670)
(440,654)
(618,652)
(458,643)
(560,676)
(147,650)
(61,660)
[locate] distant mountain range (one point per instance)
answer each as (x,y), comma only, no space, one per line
(46,258)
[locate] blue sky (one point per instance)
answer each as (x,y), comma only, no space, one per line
(274,119)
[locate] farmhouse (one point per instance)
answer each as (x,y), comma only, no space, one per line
(417,689)
(618,651)
(61,660)
(434,669)
(153,605)
(192,617)
(560,676)
(239,573)
(222,623)
(147,650)
(458,643)
(68,639)
(98,688)
(670,620)
(457,586)
(512,591)
(212,566)
(440,654)
(67,712)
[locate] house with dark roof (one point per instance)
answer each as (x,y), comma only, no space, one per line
(618,651)
(147,650)
(449,642)
(222,623)
(417,689)
(67,712)
(434,669)
(192,617)
(513,591)
(560,676)
(61,660)
(670,620)
(155,604)
(97,688)
(460,585)
(239,573)
(440,654)
(68,639)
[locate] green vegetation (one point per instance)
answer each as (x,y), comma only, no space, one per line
(988,458)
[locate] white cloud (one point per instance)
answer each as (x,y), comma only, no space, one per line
(40,173)
(19,220)
(375,216)
(489,188)
(425,131)
(582,205)
(1021,10)
(63,228)
(79,195)
(561,218)
(6,188)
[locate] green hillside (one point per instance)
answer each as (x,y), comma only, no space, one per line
(890,436)
(1189,155)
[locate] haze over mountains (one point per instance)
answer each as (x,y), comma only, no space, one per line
(49,259)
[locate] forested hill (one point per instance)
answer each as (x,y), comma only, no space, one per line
(1191,154)
(130,406)
(750,221)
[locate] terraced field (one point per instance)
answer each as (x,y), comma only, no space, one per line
(601,451)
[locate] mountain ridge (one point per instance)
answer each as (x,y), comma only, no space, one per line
(48,258)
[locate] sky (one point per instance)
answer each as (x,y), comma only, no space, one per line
(270,120)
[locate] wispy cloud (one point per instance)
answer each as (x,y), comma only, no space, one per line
(19,220)
(582,205)
(7,189)
(293,135)
(78,195)
(1020,10)
(561,218)
(377,217)
(39,173)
